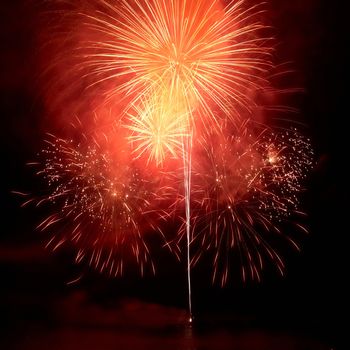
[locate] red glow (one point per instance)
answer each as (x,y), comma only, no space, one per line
(159,101)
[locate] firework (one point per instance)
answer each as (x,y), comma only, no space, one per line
(103,207)
(203,55)
(181,78)
(244,186)
(158,130)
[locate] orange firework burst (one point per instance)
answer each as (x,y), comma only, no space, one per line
(103,207)
(201,54)
(189,61)
(244,186)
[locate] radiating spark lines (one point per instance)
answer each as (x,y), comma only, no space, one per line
(180,79)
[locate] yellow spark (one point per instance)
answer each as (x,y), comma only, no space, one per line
(158,128)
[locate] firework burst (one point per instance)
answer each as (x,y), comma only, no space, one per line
(157,129)
(181,77)
(103,207)
(244,186)
(201,54)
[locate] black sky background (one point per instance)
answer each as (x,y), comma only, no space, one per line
(310,299)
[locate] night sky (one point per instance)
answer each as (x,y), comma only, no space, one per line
(37,307)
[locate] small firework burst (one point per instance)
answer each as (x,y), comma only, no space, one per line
(243,187)
(158,129)
(102,207)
